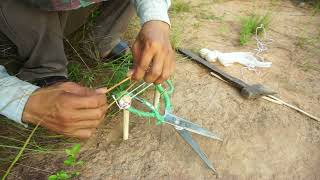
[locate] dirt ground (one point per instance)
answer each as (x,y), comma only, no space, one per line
(262,140)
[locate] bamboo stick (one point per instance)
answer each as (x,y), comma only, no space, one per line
(156,99)
(276,100)
(126,116)
(295,108)
(118,84)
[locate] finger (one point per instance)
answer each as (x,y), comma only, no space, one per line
(156,69)
(86,124)
(142,64)
(76,88)
(136,56)
(130,72)
(81,133)
(102,90)
(89,114)
(166,70)
(173,64)
(84,102)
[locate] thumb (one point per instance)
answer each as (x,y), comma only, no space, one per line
(130,72)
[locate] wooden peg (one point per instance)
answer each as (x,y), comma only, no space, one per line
(156,99)
(126,116)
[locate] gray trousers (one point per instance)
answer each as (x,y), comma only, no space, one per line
(38,35)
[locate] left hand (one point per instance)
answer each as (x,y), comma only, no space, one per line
(154,59)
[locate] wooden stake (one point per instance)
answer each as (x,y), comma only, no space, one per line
(156,99)
(126,116)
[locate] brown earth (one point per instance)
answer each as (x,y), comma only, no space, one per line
(262,140)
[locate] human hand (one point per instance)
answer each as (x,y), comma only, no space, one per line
(67,108)
(154,59)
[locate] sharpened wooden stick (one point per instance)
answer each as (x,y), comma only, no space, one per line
(295,108)
(126,116)
(115,86)
(276,100)
(156,99)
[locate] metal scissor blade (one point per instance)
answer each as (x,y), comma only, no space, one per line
(187,137)
(187,125)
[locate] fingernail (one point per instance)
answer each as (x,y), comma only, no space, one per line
(102,90)
(130,72)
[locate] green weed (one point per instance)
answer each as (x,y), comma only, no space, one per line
(118,71)
(71,161)
(176,36)
(179,6)
(250,25)
(316,7)
(207,16)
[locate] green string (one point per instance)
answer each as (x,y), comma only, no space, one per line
(165,95)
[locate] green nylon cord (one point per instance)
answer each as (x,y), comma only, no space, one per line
(155,111)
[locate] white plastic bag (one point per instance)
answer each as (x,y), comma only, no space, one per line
(245,58)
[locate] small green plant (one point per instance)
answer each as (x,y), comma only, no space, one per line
(72,162)
(76,73)
(179,6)
(250,25)
(316,7)
(176,36)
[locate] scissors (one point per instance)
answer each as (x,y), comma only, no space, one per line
(182,126)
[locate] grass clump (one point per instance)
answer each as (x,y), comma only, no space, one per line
(316,6)
(250,25)
(179,6)
(78,73)
(176,36)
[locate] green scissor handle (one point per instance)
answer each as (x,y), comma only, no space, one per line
(154,113)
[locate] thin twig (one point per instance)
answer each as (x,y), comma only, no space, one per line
(78,54)
(115,86)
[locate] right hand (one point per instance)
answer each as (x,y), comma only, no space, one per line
(67,108)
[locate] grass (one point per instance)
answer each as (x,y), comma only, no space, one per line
(250,24)
(18,143)
(309,65)
(176,36)
(206,16)
(316,6)
(23,148)
(180,6)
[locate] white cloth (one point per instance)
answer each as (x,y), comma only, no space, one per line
(245,58)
